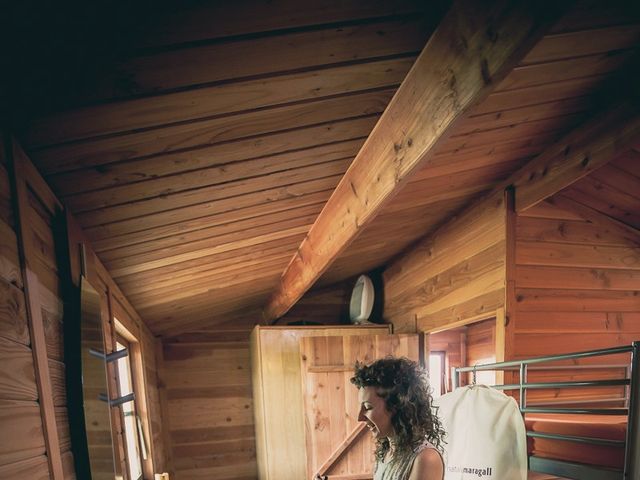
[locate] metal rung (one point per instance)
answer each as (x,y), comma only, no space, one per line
(581,411)
(572,470)
(587,383)
(577,439)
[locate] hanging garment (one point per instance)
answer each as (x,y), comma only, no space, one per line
(486,435)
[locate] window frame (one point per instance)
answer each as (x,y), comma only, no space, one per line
(124,337)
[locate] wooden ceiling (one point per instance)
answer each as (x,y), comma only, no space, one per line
(198,162)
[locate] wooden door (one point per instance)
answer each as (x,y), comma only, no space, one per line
(337,444)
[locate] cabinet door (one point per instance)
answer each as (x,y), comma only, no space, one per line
(336,443)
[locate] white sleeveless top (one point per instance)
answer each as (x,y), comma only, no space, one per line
(399,468)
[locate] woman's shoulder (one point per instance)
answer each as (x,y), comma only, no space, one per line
(428,464)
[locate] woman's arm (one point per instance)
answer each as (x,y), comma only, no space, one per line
(428,465)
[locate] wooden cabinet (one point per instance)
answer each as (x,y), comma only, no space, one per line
(304,407)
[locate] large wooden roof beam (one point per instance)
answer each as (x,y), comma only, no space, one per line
(474,47)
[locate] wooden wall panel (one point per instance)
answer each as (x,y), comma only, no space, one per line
(39,213)
(35,468)
(454,274)
(22,441)
(329,305)
(209,407)
(205,379)
(23,437)
(576,288)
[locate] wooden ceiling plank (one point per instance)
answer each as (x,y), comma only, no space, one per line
(492,137)
(175,216)
(221,243)
(183,290)
(566,69)
(529,113)
(606,199)
(201,21)
(514,99)
(173,322)
(238,215)
(222,99)
(511,149)
(221,299)
(253,57)
(585,149)
(614,177)
(215,165)
(238,188)
(203,133)
(445,82)
(452,167)
(117,271)
(210,234)
(559,46)
(566,201)
(204,276)
(588,14)
(630,163)
(435,189)
(211,262)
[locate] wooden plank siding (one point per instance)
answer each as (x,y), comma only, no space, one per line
(452,276)
(207,382)
(22,453)
(39,212)
(576,288)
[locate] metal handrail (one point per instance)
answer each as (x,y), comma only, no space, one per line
(585,383)
(550,358)
(631,384)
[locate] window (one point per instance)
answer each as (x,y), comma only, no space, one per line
(437,373)
(128,373)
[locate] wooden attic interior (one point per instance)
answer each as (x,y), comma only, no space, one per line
(199,157)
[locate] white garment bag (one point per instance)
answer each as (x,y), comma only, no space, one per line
(486,436)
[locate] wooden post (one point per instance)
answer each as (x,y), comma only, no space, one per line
(20,166)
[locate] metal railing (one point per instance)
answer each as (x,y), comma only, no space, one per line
(631,382)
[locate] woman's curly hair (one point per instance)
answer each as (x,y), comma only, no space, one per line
(403,385)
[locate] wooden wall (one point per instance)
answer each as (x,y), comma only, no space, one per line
(205,386)
(576,287)
(35,437)
(209,407)
(454,275)
(22,439)
(329,305)
(33,341)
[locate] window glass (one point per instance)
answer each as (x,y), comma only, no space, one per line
(129,413)
(436,372)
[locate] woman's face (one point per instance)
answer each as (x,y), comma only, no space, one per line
(374,413)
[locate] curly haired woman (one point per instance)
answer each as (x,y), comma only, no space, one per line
(395,403)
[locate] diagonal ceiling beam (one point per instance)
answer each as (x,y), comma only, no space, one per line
(605,137)
(475,46)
